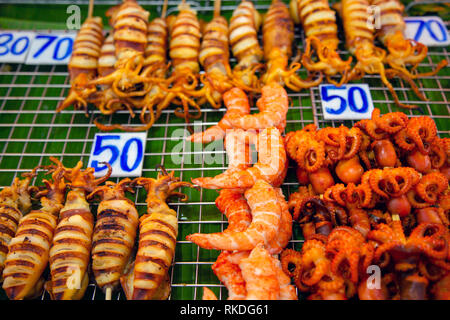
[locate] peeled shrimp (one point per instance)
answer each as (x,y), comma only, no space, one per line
(208,294)
(271,165)
(266,216)
(279,242)
(273,106)
(235,207)
(262,274)
(237,105)
(227,270)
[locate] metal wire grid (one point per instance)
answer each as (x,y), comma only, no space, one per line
(31,131)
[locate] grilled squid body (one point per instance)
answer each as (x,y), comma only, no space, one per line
(320,27)
(243,35)
(114,235)
(29,249)
(278,35)
(83,63)
(214,57)
(107,58)
(158,230)
(14,202)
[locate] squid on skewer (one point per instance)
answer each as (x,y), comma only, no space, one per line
(130,24)
(402,52)
(114,234)
(214,57)
(29,249)
(184,47)
(14,202)
(360,39)
(71,247)
(319,23)
(158,230)
(83,64)
(278,35)
(243,35)
(154,66)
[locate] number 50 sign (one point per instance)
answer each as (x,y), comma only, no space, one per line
(123,151)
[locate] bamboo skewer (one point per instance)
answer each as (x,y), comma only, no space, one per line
(91,8)
(217,5)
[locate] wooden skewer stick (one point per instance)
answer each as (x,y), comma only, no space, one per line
(91,8)
(108,293)
(217,5)
(164,9)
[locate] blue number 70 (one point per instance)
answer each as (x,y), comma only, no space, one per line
(427,25)
(50,40)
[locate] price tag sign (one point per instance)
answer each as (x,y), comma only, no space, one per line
(431,31)
(51,48)
(14,45)
(347,102)
(123,151)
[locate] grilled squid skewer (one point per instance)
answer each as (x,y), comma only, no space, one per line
(402,52)
(114,234)
(319,24)
(158,230)
(72,240)
(278,35)
(14,202)
(243,35)
(83,64)
(29,249)
(360,37)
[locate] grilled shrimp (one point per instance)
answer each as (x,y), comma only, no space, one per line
(237,105)
(319,23)
(72,240)
(14,202)
(278,35)
(360,39)
(243,35)
(114,233)
(29,249)
(266,216)
(271,165)
(158,230)
(235,207)
(402,52)
(227,270)
(83,64)
(184,47)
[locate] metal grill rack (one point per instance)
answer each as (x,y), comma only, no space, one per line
(31,131)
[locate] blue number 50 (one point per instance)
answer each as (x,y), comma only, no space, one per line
(100,148)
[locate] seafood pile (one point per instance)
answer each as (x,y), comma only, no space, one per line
(144,66)
(259,221)
(371,197)
(63,235)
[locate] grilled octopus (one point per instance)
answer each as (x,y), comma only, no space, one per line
(243,36)
(14,202)
(360,39)
(29,249)
(83,64)
(278,35)
(70,251)
(319,23)
(402,52)
(158,229)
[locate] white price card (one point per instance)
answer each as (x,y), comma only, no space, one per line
(51,48)
(14,45)
(123,151)
(347,102)
(430,31)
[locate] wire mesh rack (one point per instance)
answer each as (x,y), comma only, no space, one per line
(31,132)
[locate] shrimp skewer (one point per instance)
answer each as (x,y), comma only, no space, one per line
(114,234)
(158,230)
(271,165)
(83,64)
(244,24)
(319,24)
(72,240)
(29,249)
(15,201)
(266,215)
(278,35)
(402,52)
(360,42)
